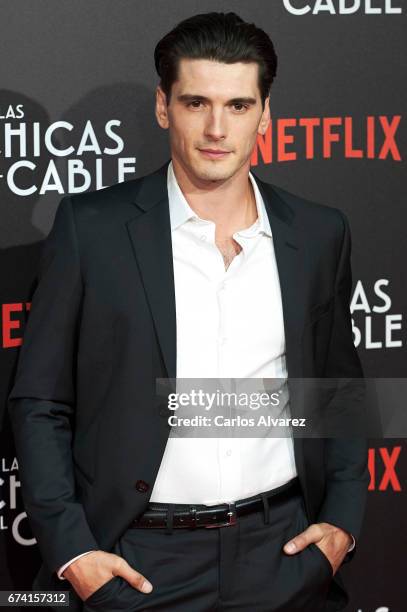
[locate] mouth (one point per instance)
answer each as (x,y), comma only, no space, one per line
(214,153)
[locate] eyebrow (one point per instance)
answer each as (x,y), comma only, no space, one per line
(191,97)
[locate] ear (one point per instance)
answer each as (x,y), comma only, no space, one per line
(265,117)
(161,109)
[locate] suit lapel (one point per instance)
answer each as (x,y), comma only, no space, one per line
(291,261)
(150,234)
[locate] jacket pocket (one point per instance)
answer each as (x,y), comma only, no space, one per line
(324,559)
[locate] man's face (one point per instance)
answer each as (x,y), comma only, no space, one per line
(214,116)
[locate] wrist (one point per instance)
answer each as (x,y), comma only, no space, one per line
(73,568)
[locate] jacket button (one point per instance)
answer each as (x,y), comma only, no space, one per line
(142,486)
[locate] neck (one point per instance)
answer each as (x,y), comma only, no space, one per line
(229,203)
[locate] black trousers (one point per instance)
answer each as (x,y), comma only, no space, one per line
(239,568)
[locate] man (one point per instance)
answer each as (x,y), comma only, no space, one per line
(198,270)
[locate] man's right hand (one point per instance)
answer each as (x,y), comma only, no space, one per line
(90,572)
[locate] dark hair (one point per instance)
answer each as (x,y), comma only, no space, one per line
(222,37)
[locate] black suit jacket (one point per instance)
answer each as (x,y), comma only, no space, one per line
(89,430)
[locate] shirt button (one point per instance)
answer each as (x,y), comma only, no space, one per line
(142,486)
(223,340)
(203,237)
(228,452)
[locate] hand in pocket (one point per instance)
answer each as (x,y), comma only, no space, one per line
(99,571)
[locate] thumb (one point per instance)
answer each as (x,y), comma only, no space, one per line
(301,541)
(137,580)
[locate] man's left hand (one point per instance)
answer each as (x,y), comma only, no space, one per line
(333,541)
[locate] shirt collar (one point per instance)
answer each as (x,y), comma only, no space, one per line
(180,210)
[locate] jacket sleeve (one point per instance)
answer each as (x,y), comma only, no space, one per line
(346,456)
(41,404)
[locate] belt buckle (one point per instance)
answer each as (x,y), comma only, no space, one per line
(231,520)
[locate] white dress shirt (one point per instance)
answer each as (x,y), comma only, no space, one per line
(229,325)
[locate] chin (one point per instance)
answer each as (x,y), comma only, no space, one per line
(212,173)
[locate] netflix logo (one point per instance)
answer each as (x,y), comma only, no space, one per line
(289,139)
(382,463)
(12,318)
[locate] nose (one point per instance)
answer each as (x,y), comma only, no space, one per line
(215,127)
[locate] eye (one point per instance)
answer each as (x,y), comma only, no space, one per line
(194,103)
(239,107)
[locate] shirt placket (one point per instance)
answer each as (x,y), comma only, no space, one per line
(229,456)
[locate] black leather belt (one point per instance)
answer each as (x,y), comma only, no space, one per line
(222,515)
